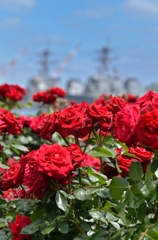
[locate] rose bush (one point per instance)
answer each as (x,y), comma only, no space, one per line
(79,171)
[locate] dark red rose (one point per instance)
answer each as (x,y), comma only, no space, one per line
(76,155)
(70,120)
(102,100)
(97,111)
(9,123)
(147,128)
(91,161)
(38,97)
(26,120)
(35,181)
(16,227)
(124,162)
(54,161)
(58,91)
(142,154)
(145,156)
(116,104)
(125,124)
(47,126)
(130,98)
(36,122)
(148,100)
(13,177)
(13,92)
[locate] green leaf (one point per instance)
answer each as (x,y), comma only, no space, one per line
(135,171)
(38,213)
(152,234)
(32,227)
(117,187)
(61,201)
(120,144)
(115,225)
(81,237)
(63,227)
(19,147)
(101,152)
(2,222)
(47,228)
(80,194)
(141,213)
(134,197)
(148,173)
(100,235)
(95,176)
(154,164)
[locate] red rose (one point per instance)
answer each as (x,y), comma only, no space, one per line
(125,124)
(13,92)
(13,177)
(13,194)
(58,91)
(147,128)
(35,181)
(91,161)
(130,98)
(38,97)
(147,100)
(16,227)
(97,111)
(124,162)
(36,121)
(76,155)
(116,104)
(143,154)
(47,126)
(70,120)
(9,123)
(102,100)
(54,161)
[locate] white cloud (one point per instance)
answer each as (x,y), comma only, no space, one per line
(146,7)
(10,22)
(17,5)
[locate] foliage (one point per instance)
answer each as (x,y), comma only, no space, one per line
(91,203)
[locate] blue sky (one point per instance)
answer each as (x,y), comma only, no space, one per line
(128,27)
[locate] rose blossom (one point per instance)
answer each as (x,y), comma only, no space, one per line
(13,177)
(125,124)
(149,99)
(16,227)
(124,162)
(35,181)
(115,104)
(13,92)
(9,123)
(47,126)
(70,120)
(147,128)
(54,161)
